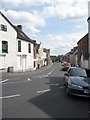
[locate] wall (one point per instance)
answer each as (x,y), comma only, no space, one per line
(8,59)
(83,49)
(89,42)
(24,58)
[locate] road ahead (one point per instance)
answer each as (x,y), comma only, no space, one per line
(40,94)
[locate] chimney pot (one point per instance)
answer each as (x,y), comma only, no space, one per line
(20,27)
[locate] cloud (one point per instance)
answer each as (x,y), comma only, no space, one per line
(67,10)
(61,44)
(25,3)
(29,20)
(73,10)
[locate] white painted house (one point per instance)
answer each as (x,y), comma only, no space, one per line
(16,48)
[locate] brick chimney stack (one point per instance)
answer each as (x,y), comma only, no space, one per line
(20,27)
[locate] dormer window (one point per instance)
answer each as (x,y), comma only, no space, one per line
(3,27)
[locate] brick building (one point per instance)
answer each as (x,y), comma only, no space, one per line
(83,51)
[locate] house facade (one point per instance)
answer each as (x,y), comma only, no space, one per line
(8,45)
(25,50)
(48,59)
(66,57)
(74,56)
(83,55)
(41,55)
(16,48)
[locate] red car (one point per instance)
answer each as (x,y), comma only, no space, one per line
(66,66)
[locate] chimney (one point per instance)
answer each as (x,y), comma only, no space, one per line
(20,27)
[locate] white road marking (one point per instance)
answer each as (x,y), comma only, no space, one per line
(11,96)
(50,72)
(3,81)
(42,76)
(45,76)
(8,80)
(62,87)
(14,79)
(54,84)
(29,79)
(42,91)
(17,82)
(9,83)
(21,81)
(46,68)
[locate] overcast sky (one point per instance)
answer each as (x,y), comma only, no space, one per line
(57,25)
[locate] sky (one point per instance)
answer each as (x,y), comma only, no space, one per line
(57,24)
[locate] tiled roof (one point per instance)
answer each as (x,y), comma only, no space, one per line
(37,47)
(88,18)
(82,38)
(6,19)
(23,36)
(20,34)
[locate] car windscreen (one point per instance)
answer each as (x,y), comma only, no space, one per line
(66,64)
(78,72)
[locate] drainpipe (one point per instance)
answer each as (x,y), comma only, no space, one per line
(89,34)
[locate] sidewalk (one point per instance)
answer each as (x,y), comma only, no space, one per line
(39,70)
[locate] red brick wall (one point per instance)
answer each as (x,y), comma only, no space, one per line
(83,48)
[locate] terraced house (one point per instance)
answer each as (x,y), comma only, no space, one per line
(16,48)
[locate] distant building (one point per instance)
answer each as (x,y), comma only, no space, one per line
(74,56)
(41,55)
(48,59)
(66,57)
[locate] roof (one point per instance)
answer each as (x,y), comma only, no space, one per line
(7,20)
(88,18)
(20,34)
(45,50)
(37,47)
(82,38)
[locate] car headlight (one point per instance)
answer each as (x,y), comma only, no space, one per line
(75,85)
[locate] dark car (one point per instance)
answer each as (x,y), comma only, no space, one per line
(76,82)
(66,66)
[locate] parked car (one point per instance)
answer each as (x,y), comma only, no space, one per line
(66,66)
(76,82)
(63,62)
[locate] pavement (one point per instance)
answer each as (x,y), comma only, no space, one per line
(41,94)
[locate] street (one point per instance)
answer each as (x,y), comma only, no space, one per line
(40,94)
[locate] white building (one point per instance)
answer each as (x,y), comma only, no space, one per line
(41,55)
(16,48)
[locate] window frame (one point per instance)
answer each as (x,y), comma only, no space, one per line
(4,46)
(3,27)
(29,48)
(19,46)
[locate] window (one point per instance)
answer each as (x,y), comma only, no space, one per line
(19,46)
(78,72)
(29,48)
(3,27)
(4,47)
